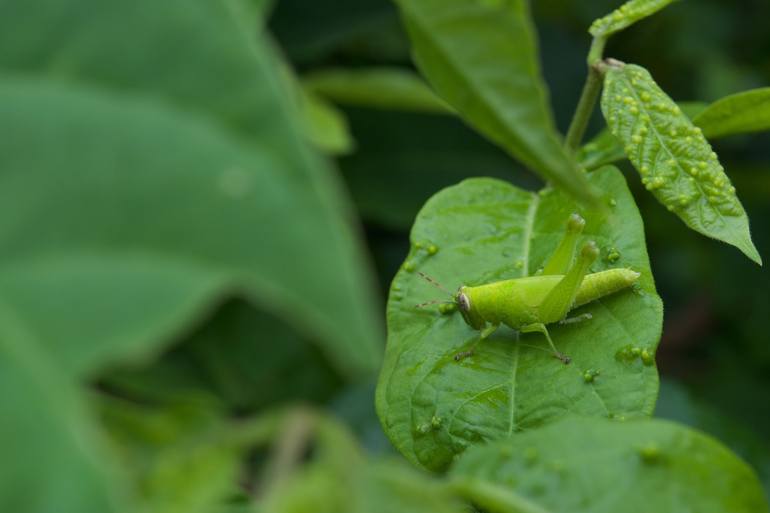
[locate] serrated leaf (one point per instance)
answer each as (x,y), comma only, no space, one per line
(598,466)
(380,88)
(483,230)
(163,181)
(625,16)
(481,57)
(675,160)
(739,113)
(606,149)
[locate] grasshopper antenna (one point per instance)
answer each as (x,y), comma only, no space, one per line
(434,302)
(434,283)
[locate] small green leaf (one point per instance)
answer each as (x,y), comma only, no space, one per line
(739,113)
(483,230)
(625,16)
(380,88)
(675,160)
(582,464)
(326,127)
(481,57)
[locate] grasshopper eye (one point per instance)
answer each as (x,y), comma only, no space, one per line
(463,302)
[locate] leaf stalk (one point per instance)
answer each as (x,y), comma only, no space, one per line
(588,97)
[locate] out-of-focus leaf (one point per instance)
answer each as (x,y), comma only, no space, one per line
(739,113)
(326,126)
(673,157)
(679,404)
(340,480)
(250,360)
(242,360)
(625,16)
(482,230)
(137,192)
(596,465)
(264,7)
(605,148)
(52,457)
(481,57)
(381,88)
(602,150)
(178,456)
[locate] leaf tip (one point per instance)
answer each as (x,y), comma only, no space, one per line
(747,247)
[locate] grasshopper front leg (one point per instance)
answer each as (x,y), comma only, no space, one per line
(486,332)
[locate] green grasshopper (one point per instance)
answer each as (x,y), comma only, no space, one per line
(529,304)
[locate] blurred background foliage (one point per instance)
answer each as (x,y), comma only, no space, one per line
(238,360)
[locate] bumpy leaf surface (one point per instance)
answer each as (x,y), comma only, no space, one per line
(675,160)
(625,16)
(739,113)
(480,231)
(605,148)
(584,465)
(481,57)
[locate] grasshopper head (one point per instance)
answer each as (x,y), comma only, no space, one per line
(465,305)
(463,301)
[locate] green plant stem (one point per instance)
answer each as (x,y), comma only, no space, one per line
(588,97)
(298,429)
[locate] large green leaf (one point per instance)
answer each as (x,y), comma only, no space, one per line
(483,230)
(739,113)
(584,465)
(675,160)
(481,57)
(138,190)
(49,447)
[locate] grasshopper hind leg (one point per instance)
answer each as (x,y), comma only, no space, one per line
(541,328)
